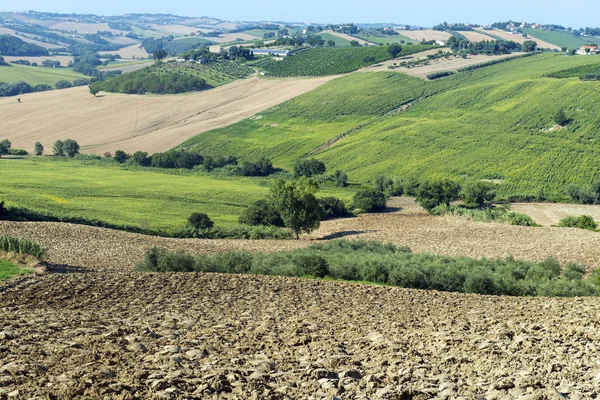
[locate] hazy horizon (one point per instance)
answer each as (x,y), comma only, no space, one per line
(386,11)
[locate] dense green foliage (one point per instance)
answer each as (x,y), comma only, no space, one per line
(581,222)
(369,200)
(11,244)
(387,264)
(146,81)
(577,72)
(500,215)
(494,123)
(331,61)
(13,46)
(297,204)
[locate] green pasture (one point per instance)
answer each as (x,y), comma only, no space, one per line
(8,270)
(561,39)
(36,75)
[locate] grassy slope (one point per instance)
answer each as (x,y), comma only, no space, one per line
(150,199)
(388,39)
(36,75)
(339,42)
(560,39)
(8,270)
(489,123)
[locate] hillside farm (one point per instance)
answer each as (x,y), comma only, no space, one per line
(425,34)
(520,39)
(36,75)
(475,36)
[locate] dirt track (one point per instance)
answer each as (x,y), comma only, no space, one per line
(200,336)
(131,122)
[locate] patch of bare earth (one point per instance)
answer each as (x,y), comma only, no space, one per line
(208,336)
(425,34)
(133,122)
(551,213)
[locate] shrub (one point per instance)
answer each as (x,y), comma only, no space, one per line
(369,200)
(436,192)
(38,149)
(21,246)
(63,84)
(308,167)
(141,158)
(70,147)
(582,222)
(389,186)
(58,148)
(478,194)
(4,147)
(200,221)
(261,212)
(17,152)
(521,219)
(120,156)
(333,208)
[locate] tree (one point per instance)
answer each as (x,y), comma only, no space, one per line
(330,43)
(340,178)
(159,54)
(141,158)
(308,167)
(70,147)
(477,194)
(94,90)
(297,205)
(354,43)
(38,149)
(261,212)
(394,49)
(561,118)
(369,200)
(58,148)
(437,192)
(529,46)
(4,147)
(200,221)
(121,156)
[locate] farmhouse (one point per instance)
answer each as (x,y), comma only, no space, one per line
(270,52)
(592,49)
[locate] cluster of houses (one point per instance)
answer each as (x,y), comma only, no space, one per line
(587,50)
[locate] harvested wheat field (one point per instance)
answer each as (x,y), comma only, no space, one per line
(438,65)
(341,35)
(520,39)
(474,36)
(133,51)
(405,225)
(209,336)
(232,37)
(427,34)
(551,213)
(132,122)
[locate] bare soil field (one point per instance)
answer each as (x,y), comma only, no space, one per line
(551,213)
(133,51)
(518,38)
(406,225)
(209,336)
(438,65)
(474,36)
(64,60)
(351,38)
(231,37)
(427,34)
(133,122)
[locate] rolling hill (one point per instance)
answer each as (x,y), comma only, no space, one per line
(490,123)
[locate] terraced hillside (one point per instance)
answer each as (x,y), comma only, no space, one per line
(495,122)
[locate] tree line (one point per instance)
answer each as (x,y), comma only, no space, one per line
(13,46)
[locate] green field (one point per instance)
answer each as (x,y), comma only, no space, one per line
(332,61)
(215,73)
(36,75)
(8,270)
(388,39)
(339,42)
(491,123)
(561,39)
(152,199)
(116,64)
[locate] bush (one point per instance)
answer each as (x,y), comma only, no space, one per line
(121,156)
(63,84)
(478,194)
(141,158)
(58,148)
(389,186)
(11,244)
(17,152)
(70,147)
(308,167)
(261,212)
(582,222)
(38,149)
(369,200)
(436,192)
(263,167)
(333,208)
(200,221)
(4,147)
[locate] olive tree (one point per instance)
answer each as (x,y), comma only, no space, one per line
(296,203)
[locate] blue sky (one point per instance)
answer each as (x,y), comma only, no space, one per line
(425,13)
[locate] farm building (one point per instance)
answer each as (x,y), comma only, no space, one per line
(269,52)
(593,49)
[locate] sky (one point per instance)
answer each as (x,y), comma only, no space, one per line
(427,13)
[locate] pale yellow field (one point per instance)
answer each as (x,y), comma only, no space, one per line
(474,36)
(131,122)
(83,28)
(427,34)
(177,29)
(133,51)
(518,38)
(230,37)
(64,60)
(122,40)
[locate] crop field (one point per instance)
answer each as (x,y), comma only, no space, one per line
(346,38)
(559,39)
(215,73)
(518,38)
(232,37)
(324,61)
(130,122)
(491,123)
(126,66)
(129,52)
(339,42)
(425,34)
(475,36)
(36,75)
(6,31)
(175,30)
(64,60)
(387,39)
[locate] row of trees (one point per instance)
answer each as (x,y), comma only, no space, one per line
(13,46)
(489,47)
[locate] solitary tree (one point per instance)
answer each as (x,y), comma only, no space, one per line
(38,149)
(200,221)
(297,205)
(58,148)
(437,192)
(561,118)
(394,49)
(529,46)
(4,147)
(70,148)
(94,90)
(159,54)
(354,43)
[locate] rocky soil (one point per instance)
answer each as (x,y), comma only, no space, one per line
(204,336)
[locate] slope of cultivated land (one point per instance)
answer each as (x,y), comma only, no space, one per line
(83,28)
(494,122)
(126,66)
(551,213)
(175,30)
(520,39)
(559,39)
(349,38)
(150,123)
(427,34)
(410,226)
(231,37)
(35,75)
(474,36)
(64,60)
(133,51)
(200,336)
(7,31)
